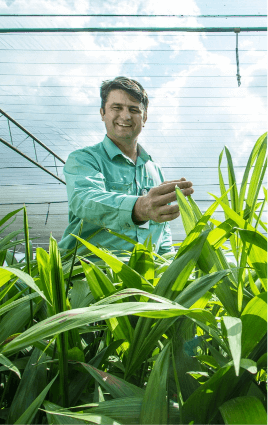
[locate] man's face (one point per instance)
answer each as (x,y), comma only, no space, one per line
(124,117)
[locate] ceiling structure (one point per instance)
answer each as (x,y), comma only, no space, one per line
(51,68)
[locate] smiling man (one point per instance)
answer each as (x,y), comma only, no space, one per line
(116,184)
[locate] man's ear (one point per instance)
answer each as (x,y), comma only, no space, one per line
(144,118)
(102,114)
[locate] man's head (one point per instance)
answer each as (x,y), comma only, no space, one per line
(130,86)
(123,110)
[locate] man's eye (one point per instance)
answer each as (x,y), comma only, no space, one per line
(116,107)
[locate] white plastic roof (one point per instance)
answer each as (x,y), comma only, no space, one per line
(49,83)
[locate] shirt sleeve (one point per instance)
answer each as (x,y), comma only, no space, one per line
(89,199)
(166,243)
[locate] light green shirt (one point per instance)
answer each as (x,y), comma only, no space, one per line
(103,185)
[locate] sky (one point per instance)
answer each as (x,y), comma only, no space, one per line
(49,83)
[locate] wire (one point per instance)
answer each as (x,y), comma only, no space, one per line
(127,50)
(131,15)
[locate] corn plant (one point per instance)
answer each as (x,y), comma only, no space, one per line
(154,340)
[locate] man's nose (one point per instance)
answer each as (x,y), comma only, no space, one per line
(125,114)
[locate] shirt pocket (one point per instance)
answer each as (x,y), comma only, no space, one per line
(117,187)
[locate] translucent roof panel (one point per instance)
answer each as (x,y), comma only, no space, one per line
(49,84)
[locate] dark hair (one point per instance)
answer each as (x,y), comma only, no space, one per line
(132,87)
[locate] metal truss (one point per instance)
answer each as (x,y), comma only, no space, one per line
(35,141)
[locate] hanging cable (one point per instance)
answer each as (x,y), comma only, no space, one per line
(48,205)
(238,76)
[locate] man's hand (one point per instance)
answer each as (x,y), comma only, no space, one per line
(154,206)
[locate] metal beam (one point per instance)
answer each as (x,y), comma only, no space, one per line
(31,135)
(132,29)
(30,159)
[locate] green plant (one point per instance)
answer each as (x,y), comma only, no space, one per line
(158,340)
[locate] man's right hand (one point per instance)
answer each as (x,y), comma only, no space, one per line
(154,206)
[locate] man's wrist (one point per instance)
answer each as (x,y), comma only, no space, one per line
(137,217)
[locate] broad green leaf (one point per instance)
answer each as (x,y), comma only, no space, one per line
(88,417)
(125,410)
(154,409)
(101,287)
(175,277)
(59,305)
(221,181)
(199,287)
(8,273)
(14,321)
(249,365)
(254,323)
(257,179)
(130,277)
(243,410)
(54,417)
(80,294)
(233,327)
(42,258)
(117,387)
(31,385)
(187,215)
(256,249)
(142,261)
(6,307)
(30,412)
(203,404)
(232,180)
(82,316)
(9,365)
(98,282)
(254,153)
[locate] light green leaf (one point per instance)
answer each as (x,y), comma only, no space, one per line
(256,249)
(130,277)
(234,330)
(82,316)
(254,323)
(7,273)
(243,410)
(142,261)
(8,364)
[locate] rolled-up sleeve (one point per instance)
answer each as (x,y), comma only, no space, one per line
(89,198)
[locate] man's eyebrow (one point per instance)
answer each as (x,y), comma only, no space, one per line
(130,106)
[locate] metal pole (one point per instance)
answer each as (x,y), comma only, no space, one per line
(131,29)
(31,160)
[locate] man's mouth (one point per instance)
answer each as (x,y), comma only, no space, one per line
(124,125)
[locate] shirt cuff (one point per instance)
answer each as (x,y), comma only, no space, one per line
(125,212)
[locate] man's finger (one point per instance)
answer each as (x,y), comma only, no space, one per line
(169,217)
(170,187)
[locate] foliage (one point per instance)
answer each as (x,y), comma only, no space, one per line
(156,340)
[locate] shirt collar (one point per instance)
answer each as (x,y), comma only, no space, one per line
(112,150)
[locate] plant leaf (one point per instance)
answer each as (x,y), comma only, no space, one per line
(243,410)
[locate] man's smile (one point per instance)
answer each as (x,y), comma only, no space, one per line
(123,125)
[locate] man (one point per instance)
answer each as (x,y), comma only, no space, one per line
(115,184)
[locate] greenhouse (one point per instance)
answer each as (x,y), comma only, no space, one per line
(133,245)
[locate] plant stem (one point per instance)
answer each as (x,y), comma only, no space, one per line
(73,260)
